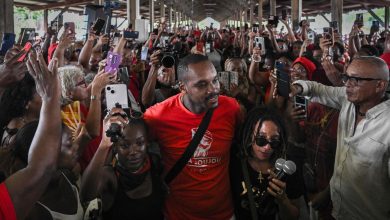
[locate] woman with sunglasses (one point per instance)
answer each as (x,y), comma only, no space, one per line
(124,173)
(263,141)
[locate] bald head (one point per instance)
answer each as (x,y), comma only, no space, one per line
(372,67)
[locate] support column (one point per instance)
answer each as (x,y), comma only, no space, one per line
(170,17)
(260,13)
(151,14)
(162,11)
(132,11)
(272,7)
(45,20)
(337,13)
(176,19)
(7,17)
(251,10)
(241,18)
(387,15)
(296,12)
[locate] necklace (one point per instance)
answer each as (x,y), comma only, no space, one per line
(260,177)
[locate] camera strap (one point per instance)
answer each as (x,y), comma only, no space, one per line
(181,163)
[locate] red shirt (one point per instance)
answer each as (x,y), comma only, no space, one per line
(202,189)
(7,210)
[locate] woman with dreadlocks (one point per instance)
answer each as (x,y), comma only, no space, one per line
(257,192)
(129,185)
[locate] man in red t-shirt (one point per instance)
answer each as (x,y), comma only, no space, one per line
(202,189)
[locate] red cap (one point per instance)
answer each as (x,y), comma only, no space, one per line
(308,64)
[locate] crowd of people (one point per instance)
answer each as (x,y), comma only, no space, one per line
(235,123)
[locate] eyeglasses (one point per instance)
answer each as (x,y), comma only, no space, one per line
(261,141)
(81,83)
(354,80)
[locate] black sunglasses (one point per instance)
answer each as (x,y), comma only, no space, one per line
(262,141)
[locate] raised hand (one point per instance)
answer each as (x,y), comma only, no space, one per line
(12,70)
(46,80)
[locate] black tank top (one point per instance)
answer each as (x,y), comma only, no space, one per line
(149,207)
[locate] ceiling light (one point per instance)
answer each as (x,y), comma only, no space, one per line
(209,4)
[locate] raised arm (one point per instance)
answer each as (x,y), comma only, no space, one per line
(95,113)
(92,180)
(86,51)
(150,84)
(27,185)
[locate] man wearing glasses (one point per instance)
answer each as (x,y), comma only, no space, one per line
(359,187)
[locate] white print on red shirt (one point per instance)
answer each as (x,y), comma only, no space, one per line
(201,158)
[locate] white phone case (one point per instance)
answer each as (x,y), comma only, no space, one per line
(116,93)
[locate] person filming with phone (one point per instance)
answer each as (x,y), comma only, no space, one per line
(359,185)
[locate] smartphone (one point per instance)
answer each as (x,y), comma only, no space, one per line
(259,42)
(26,48)
(123,75)
(98,26)
(328,34)
(7,43)
(255,28)
(335,26)
(70,26)
(359,20)
(311,36)
(273,20)
(116,93)
(28,34)
(283,80)
(113,62)
(144,53)
(208,47)
(131,34)
(301,102)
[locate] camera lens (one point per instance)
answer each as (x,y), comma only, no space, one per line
(112,91)
(168,61)
(108,88)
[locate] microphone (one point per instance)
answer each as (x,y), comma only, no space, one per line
(279,164)
(289,168)
(283,168)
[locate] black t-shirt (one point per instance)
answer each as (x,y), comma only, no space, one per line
(149,207)
(294,189)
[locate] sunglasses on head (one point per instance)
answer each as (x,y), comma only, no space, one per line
(261,141)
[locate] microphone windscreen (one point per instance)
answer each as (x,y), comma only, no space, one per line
(289,167)
(279,163)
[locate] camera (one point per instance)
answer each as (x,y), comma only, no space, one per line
(169,54)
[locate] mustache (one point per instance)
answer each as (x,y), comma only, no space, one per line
(212,95)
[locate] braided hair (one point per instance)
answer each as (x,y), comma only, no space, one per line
(260,115)
(14,100)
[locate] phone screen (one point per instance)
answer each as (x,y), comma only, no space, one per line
(27,49)
(301,102)
(144,53)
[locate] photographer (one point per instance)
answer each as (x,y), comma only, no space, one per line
(123,173)
(164,76)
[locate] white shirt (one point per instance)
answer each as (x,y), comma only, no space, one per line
(360,185)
